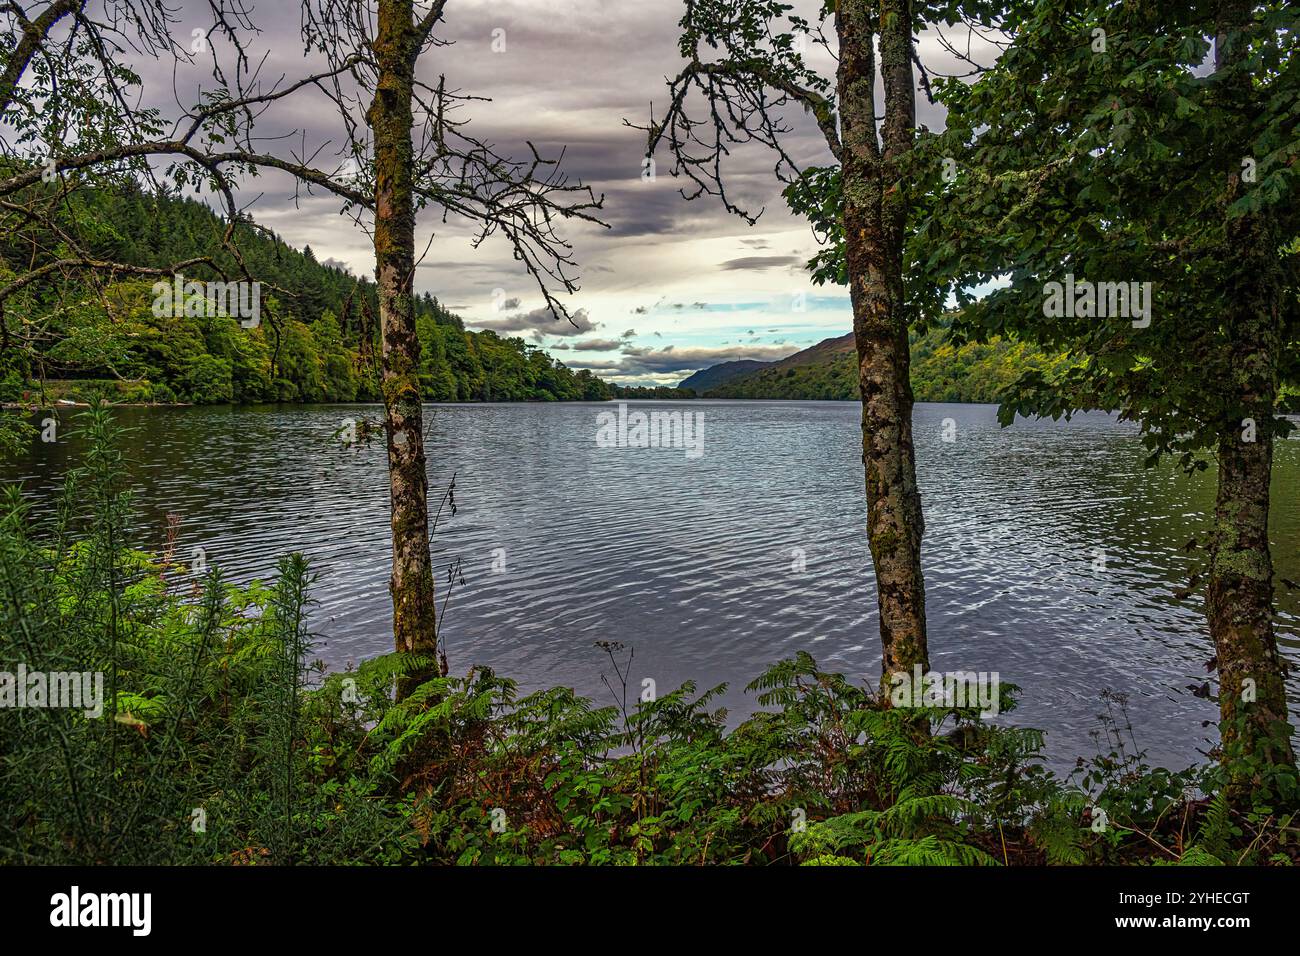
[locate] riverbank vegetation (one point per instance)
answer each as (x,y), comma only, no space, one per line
(222,743)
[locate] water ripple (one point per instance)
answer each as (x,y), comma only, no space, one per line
(1051,555)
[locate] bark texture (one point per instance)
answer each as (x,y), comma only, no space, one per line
(1252,693)
(875,212)
(396,47)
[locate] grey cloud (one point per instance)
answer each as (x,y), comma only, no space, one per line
(761,262)
(596,365)
(597,345)
(669,359)
(537,321)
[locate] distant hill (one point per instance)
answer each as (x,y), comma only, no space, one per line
(827,350)
(941,372)
(822,371)
(716,375)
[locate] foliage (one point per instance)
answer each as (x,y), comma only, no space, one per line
(1063,155)
(658,392)
(198,754)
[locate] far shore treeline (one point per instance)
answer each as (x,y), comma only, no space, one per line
(316,341)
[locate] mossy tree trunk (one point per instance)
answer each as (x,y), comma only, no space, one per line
(1239,599)
(875,213)
(396,47)
(1252,692)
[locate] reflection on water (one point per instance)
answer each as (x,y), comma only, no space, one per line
(1051,555)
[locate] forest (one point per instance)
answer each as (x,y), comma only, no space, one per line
(315,346)
(1127,142)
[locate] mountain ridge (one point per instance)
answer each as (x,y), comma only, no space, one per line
(715,375)
(942,371)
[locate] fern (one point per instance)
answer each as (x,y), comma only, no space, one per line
(1215,833)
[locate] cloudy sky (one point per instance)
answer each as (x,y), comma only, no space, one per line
(671,286)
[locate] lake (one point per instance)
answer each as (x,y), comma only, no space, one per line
(1051,555)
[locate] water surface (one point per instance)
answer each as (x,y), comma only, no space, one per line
(1051,555)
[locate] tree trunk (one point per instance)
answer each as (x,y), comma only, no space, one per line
(390,119)
(1252,692)
(875,211)
(1239,601)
